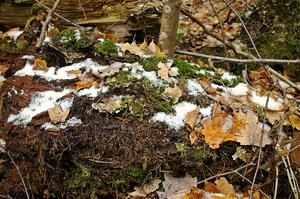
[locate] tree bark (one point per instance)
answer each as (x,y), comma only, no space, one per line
(169,25)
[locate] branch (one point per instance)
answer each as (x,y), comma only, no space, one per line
(226,173)
(58,15)
(45,25)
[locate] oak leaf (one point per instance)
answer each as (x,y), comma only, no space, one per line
(40,64)
(110,104)
(57,115)
(133,48)
(191,118)
(163,71)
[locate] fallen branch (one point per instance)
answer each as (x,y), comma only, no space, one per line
(45,25)
(58,15)
(226,173)
(243,61)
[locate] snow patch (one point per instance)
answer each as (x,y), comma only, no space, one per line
(274,105)
(175,121)
(93,91)
(228,76)
(74,121)
(40,102)
(194,88)
(239,90)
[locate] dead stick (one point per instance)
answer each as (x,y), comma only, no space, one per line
(45,25)
(58,15)
(226,173)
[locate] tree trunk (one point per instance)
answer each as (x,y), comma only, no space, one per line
(169,24)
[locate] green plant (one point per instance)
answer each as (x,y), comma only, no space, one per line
(72,39)
(107,48)
(181,148)
(185,69)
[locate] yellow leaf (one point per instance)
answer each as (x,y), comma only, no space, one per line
(144,45)
(224,186)
(57,115)
(82,85)
(294,121)
(155,50)
(40,64)
(196,193)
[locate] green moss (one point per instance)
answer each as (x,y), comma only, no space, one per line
(150,64)
(158,100)
(79,177)
(121,79)
(181,148)
(71,39)
(185,69)
(106,48)
(203,153)
(136,107)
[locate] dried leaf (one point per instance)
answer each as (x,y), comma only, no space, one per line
(196,193)
(74,72)
(206,85)
(295,154)
(173,72)
(139,192)
(155,50)
(251,134)
(163,71)
(40,64)
(2,79)
(151,186)
(211,188)
(144,45)
(57,115)
(294,121)
(194,136)
(82,85)
(110,104)
(132,48)
(224,186)
(108,70)
(176,188)
(191,119)
(174,92)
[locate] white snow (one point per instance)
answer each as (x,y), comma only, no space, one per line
(77,35)
(283,84)
(40,102)
(74,121)
(274,105)
(207,111)
(14,34)
(93,91)
(175,121)
(204,72)
(28,57)
(239,90)
(228,76)
(194,88)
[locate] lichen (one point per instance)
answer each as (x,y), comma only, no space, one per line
(72,39)
(106,48)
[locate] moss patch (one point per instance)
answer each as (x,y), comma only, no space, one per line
(150,64)
(79,177)
(185,69)
(71,39)
(106,48)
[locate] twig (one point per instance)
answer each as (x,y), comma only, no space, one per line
(16,166)
(243,61)
(80,5)
(221,25)
(260,146)
(276,181)
(226,173)
(45,25)
(58,15)
(3,196)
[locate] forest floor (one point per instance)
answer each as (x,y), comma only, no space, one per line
(84,117)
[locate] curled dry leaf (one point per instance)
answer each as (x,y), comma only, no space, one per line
(57,115)
(224,186)
(110,104)
(40,64)
(206,85)
(155,50)
(194,136)
(251,133)
(191,119)
(174,92)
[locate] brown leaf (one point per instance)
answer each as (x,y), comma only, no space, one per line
(152,186)
(206,85)
(109,70)
(132,48)
(295,154)
(251,134)
(57,115)
(155,50)
(211,188)
(224,186)
(196,193)
(191,119)
(139,192)
(294,121)
(163,71)
(40,64)
(82,85)
(174,92)
(194,136)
